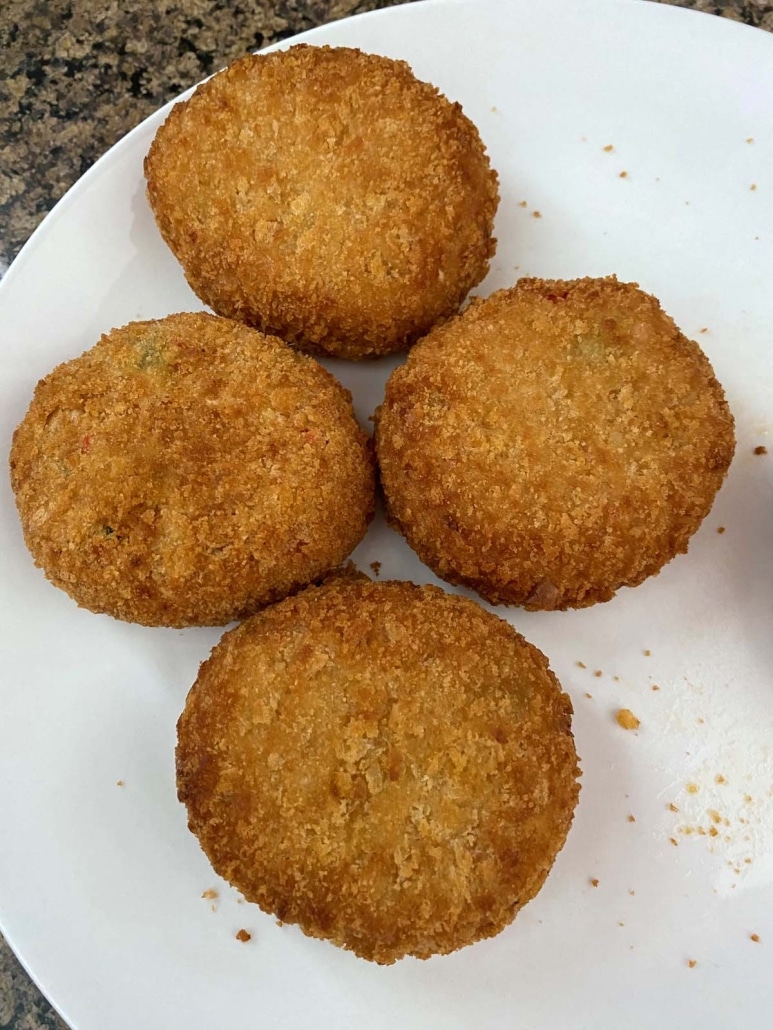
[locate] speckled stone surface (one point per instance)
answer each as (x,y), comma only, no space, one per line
(75,76)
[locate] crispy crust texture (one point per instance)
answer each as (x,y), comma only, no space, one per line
(188,471)
(327,196)
(386,765)
(553,443)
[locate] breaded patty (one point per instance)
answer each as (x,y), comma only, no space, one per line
(327,196)
(553,443)
(386,765)
(189,470)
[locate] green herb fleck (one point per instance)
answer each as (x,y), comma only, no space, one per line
(150,355)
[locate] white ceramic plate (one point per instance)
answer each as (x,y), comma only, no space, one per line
(100,885)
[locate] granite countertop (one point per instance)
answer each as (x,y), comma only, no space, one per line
(75,77)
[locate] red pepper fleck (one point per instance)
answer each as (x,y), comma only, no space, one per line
(86,444)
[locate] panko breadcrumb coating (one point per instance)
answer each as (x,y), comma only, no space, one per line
(553,443)
(386,765)
(327,196)
(188,471)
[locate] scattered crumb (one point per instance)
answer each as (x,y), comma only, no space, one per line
(720,529)
(376,567)
(608,148)
(631,819)
(719,778)
(691,962)
(240,901)
(753,187)
(748,798)
(589,696)
(582,665)
(119,783)
(536,214)
(700,720)
(632,892)
(616,679)
(647,653)
(760,450)
(655,686)
(672,807)
(750,139)
(243,936)
(494,110)
(279,923)
(754,937)
(627,719)
(692,788)
(597,672)
(523,204)
(620,924)
(674,841)
(623,175)
(594,882)
(705,329)
(210,894)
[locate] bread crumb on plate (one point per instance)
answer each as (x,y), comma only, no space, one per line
(627,719)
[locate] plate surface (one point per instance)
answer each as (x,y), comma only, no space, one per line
(101,885)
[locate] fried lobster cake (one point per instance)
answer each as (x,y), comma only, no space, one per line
(327,196)
(553,443)
(386,765)
(188,471)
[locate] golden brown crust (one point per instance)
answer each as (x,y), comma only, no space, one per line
(553,443)
(189,470)
(389,766)
(327,196)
